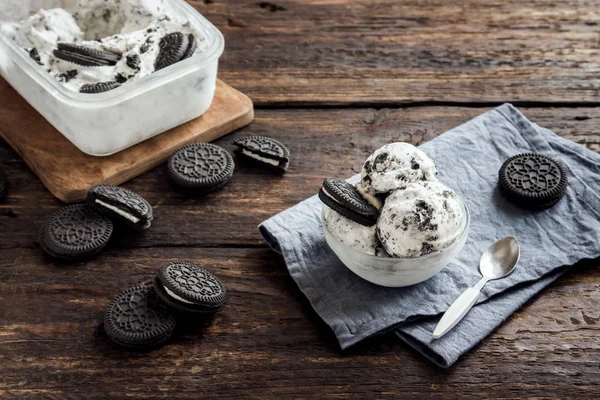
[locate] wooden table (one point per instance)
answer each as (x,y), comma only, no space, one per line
(334,79)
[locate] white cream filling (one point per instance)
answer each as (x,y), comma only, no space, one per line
(374,201)
(173,295)
(259,158)
(122,213)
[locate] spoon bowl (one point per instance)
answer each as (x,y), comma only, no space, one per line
(500,259)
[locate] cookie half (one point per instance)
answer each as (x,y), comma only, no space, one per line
(265,151)
(85,56)
(202,167)
(138,319)
(533,180)
(343,197)
(75,233)
(189,288)
(121,205)
(192,46)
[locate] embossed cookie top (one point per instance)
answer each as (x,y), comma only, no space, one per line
(192,284)
(173,47)
(264,146)
(137,317)
(533,180)
(77,229)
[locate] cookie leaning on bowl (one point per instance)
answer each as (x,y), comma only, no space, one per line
(343,197)
(175,47)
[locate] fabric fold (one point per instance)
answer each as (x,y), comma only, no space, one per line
(468,158)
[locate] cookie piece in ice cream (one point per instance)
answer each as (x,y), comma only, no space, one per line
(85,56)
(392,167)
(173,47)
(359,237)
(200,167)
(99,87)
(422,218)
(186,287)
(192,47)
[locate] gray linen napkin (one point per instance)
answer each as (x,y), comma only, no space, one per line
(468,158)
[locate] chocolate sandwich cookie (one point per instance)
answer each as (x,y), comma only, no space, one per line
(3,183)
(138,319)
(202,167)
(342,197)
(121,205)
(75,233)
(533,180)
(85,56)
(188,288)
(265,151)
(173,47)
(99,87)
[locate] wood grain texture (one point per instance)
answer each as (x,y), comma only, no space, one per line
(68,173)
(340,52)
(267,342)
(322,142)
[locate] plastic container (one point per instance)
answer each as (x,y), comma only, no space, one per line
(397,272)
(105,123)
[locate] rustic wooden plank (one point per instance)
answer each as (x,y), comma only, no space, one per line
(267,342)
(323,143)
(390,51)
(69,173)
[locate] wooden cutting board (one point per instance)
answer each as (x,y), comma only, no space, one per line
(68,173)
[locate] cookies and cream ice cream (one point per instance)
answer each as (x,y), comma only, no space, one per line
(363,238)
(418,215)
(422,218)
(392,167)
(131,29)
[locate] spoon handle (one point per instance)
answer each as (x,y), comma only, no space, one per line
(456,312)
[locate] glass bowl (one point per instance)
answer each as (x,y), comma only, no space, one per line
(397,272)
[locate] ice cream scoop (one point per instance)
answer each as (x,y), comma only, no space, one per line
(392,167)
(422,218)
(363,238)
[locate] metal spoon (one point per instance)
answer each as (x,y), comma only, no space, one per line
(498,261)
